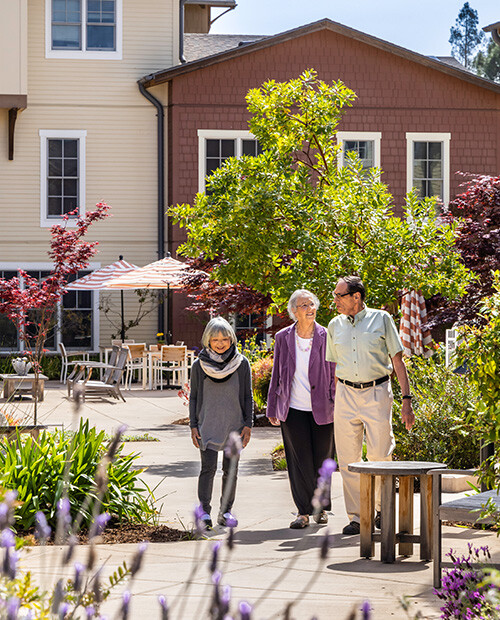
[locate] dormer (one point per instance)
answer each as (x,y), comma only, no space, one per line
(14,61)
(197,15)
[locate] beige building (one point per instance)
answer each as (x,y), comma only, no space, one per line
(75,130)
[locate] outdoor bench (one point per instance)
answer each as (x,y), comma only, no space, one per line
(466,509)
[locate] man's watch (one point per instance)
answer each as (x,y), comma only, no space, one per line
(407,396)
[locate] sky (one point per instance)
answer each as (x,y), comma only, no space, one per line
(422,26)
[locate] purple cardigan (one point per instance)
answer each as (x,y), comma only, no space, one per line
(321,376)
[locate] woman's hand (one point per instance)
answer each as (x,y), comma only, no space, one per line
(245,436)
(195,436)
(274,421)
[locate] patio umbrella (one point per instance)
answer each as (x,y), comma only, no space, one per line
(166,273)
(98,279)
(415,340)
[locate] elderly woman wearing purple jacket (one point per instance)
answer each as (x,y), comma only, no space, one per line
(301,395)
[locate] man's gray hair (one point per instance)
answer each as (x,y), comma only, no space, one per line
(295,296)
(217,326)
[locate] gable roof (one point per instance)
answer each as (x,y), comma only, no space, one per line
(200,45)
(160,77)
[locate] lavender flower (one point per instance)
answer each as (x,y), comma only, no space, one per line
(164,607)
(233,445)
(125,604)
(57,597)
(12,608)
(4,515)
(366,610)
(115,442)
(99,524)
(70,549)
(225,600)
(92,557)
(63,610)
(245,610)
(137,559)
(90,612)
(321,497)
(77,581)
(215,554)
(199,523)
(42,528)
(7,538)
(325,545)
(96,587)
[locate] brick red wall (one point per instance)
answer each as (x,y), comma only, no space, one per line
(394,96)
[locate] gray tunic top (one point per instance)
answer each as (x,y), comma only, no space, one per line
(218,407)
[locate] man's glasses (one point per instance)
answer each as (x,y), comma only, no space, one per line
(339,295)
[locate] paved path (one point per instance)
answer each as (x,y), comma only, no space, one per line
(271,565)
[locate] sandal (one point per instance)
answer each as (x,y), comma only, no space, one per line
(300,522)
(321,517)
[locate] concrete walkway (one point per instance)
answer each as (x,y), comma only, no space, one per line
(270,565)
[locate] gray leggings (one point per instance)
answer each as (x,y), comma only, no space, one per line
(206,480)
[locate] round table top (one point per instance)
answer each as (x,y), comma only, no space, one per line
(395,468)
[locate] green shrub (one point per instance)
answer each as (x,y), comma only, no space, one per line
(445,423)
(254,350)
(36,469)
(261,378)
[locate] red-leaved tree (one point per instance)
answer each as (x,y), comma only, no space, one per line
(478,242)
(21,300)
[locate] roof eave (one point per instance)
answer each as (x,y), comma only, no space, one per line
(166,75)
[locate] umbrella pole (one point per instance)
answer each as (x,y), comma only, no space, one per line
(169,333)
(123,318)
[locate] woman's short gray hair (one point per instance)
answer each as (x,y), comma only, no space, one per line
(217,326)
(292,302)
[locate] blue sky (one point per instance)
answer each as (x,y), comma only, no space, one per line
(420,25)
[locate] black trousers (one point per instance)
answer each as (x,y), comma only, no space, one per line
(307,445)
(206,480)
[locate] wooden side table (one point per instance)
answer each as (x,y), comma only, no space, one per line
(406,471)
(19,384)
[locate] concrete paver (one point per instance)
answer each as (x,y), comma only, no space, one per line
(270,565)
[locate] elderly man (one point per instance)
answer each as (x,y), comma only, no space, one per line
(366,347)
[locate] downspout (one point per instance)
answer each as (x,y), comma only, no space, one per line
(161,184)
(182,59)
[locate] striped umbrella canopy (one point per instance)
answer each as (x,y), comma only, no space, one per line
(165,273)
(98,280)
(415,340)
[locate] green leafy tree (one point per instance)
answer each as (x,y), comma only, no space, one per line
(487,63)
(465,36)
(480,351)
(291,217)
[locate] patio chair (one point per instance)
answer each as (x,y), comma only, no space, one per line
(120,343)
(173,360)
(110,384)
(79,370)
(135,362)
(83,356)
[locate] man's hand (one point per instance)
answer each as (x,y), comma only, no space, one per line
(407,414)
(274,421)
(195,436)
(245,436)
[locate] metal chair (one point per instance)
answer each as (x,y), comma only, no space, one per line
(173,360)
(66,362)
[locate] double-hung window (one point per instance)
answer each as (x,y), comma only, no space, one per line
(366,145)
(62,174)
(75,319)
(215,146)
(428,164)
(84,29)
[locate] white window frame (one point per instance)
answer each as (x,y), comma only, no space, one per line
(46,266)
(46,134)
(366,136)
(269,323)
(445,139)
(218,134)
(116,54)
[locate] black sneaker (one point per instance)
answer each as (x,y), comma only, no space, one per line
(351,529)
(377,520)
(206,520)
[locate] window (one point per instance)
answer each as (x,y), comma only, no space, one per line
(75,323)
(365,145)
(62,174)
(89,29)
(215,147)
(428,156)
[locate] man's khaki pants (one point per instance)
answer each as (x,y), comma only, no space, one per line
(368,410)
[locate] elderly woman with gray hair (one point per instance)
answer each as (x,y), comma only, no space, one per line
(300,399)
(220,403)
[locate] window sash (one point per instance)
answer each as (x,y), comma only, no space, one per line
(84,25)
